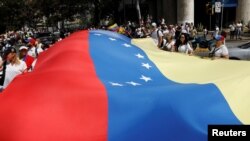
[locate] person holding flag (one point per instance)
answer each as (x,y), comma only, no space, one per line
(23,55)
(11,67)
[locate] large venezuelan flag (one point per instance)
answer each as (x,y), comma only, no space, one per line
(99,86)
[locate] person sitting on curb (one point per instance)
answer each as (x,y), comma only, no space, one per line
(220,50)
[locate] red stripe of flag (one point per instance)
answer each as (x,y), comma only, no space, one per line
(62,100)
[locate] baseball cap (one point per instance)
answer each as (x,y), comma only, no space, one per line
(219,38)
(23,48)
(32,41)
(8,50)
(154,24)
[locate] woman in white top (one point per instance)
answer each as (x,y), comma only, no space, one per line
(14,66)
(170,43)
(183,46)
(238,30)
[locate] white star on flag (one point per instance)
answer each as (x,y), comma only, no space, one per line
(112,39)
(133,83)
(146,65)
(139,56)
(126,45)
(98,34)
(116,84)
(145,78)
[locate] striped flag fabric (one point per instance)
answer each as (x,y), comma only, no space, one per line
(102,86)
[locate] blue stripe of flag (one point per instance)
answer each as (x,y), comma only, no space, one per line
(144,105)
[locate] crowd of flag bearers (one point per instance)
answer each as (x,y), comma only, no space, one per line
(174,37)
(15,61)
(19,53)
(18,61)
(179,41)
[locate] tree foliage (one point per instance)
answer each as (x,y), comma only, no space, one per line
(14,14)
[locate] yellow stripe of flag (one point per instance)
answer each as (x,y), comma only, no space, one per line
(231,77)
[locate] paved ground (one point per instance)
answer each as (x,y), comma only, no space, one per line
(229,44)
(234,43)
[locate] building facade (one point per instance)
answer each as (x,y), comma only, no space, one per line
(181,11)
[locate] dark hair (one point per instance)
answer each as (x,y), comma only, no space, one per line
(7,51)
(178,41)
(224,33)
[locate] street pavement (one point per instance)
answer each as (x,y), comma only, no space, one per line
(232,43)
(235,43)
(229,43)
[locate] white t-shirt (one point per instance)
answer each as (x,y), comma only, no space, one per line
(165,32)
(12,71)
(239,26)
(216,33)
(155,34)
(162,21)
(169,46)
(205,31)
(217,29)
(32,51)
(187,28)
(185,48)
(221,51)
(232,27)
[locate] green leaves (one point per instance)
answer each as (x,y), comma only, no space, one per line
(14,14)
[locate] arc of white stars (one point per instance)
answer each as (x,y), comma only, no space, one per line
(145,78)
(127,45)
(133,83)
(116,84)
(146,65)
(139,56)
(112,39)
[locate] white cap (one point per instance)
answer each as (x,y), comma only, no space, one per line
(23,47)
(154,24)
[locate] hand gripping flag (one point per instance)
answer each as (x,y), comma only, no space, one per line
(101,86)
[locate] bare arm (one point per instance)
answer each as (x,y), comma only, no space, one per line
(160,40)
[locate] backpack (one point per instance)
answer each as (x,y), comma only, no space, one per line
(4,72)
(158,36)
(212,54)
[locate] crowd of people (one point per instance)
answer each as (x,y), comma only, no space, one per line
(180,41)
(174,38)
(235,30)
(20,49)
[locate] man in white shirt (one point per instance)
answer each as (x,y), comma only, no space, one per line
(34,50)
(232,30)
(220,50)
(157,36)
